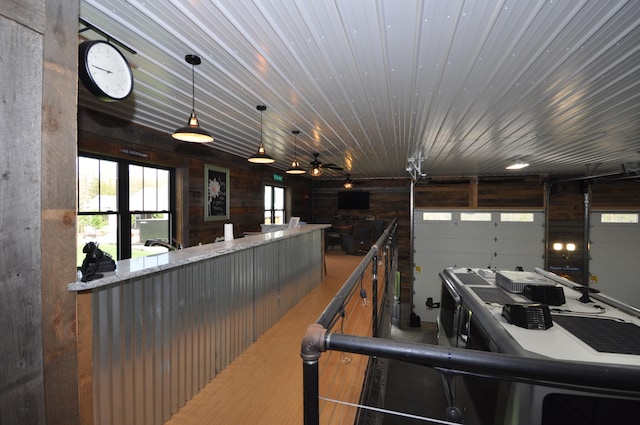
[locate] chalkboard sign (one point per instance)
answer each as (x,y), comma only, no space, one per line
(216,188)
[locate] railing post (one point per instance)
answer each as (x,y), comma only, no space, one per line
(374,288)
(312,345)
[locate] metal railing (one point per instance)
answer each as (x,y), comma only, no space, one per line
(616,380)
(374,275)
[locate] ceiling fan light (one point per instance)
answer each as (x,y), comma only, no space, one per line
(348,183)
(192,132)
(316,172)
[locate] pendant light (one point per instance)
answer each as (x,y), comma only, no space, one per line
(192,131)
(295,165)
(261,156)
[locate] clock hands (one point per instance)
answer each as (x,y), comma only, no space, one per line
(102,69)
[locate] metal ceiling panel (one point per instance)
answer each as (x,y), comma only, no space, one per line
(462,86)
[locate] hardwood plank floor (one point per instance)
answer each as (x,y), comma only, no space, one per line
(264,384)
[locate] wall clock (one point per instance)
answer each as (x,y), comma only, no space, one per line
(104,70)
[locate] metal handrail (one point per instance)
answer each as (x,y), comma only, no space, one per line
(612,379)
(332,311)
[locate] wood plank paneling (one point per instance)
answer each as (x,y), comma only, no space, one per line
(22,398)
(29,13)
(58,217)
(620,195)
(111,137)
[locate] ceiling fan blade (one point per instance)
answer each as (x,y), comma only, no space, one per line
(332,167)
(315,163)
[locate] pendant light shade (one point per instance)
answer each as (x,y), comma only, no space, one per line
(261,156)
(192,131)
(295,165)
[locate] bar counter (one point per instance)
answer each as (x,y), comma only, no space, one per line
(140,266)
(159,328)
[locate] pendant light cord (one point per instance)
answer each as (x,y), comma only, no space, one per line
(193,88)
(261,111)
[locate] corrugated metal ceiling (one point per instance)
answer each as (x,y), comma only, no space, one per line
(466,86)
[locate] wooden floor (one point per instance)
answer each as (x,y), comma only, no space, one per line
(264,384)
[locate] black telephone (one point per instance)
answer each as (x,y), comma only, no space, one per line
(95,262)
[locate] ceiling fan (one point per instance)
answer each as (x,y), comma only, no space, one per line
(317,166)
(349,183)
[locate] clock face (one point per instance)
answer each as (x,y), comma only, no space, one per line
(105,71)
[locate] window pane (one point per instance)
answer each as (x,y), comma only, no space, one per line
(267,217)
(108,186)
(279,198)
(517,217)
(150,227)
(88,184)
(436,216)
(618,218)
(465,216)
(279,217)
(148,189)
(267,198)
(136,177)
(162,178)
(97,185)
(100,228)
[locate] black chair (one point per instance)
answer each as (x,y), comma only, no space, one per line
(360,239)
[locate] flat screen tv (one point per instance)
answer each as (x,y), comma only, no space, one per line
(353,200)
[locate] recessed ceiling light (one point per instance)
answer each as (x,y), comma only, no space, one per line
(518,165)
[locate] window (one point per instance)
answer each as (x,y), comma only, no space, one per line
(122,205)
(517,217)
(471,216)
(274,205)
(436,216)
(619,218)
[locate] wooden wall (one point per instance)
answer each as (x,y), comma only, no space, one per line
(38,373)
(115,138)
(388,198)
(562,201)
(317,200)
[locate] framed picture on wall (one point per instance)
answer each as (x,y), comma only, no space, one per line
(216,187)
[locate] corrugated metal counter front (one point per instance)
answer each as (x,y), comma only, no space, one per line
(157,330)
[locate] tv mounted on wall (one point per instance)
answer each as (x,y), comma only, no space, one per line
(353,200)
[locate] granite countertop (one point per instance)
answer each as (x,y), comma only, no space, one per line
(136,267)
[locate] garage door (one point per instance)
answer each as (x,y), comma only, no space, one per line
(615,255)
(459,238)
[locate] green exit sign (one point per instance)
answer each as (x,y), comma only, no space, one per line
(277,177)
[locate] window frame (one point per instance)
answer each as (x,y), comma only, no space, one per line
(123,212)
(272,211)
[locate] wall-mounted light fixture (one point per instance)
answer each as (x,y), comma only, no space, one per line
(295,165)
(261,156)
(192,131)
(564,248)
